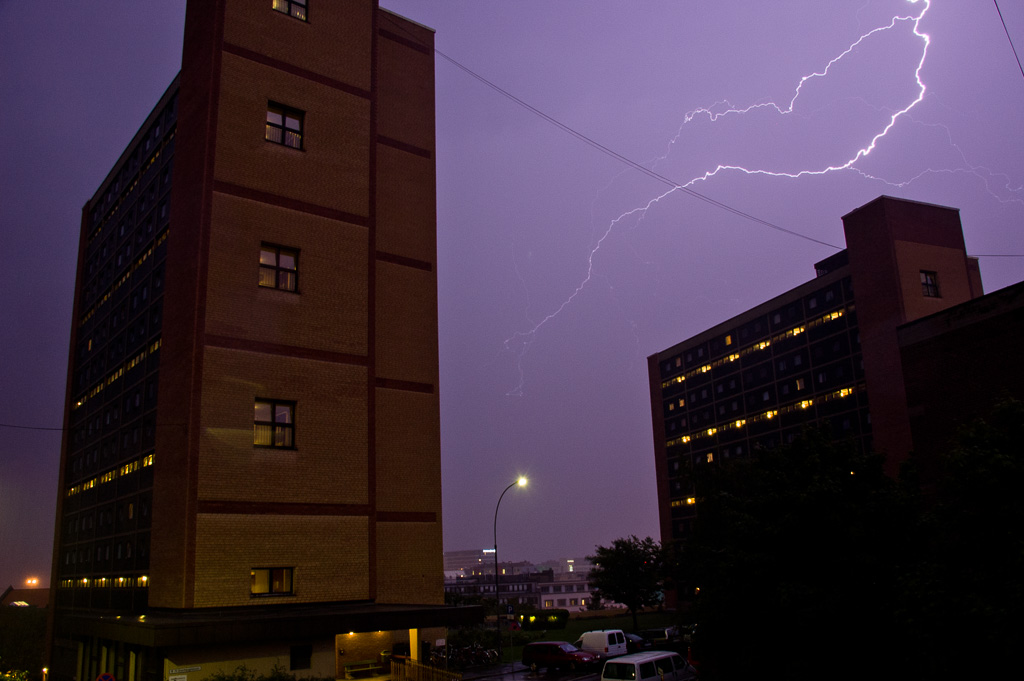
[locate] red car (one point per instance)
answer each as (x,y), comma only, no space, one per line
(556,655)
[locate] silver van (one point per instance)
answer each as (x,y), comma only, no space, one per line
(653,665)
(603,642)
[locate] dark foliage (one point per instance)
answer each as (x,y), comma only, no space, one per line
(963,594)
(792,556)
(630,572)
(808,562)
(22,631)
(243,673)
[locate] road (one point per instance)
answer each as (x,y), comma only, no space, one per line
(517,672)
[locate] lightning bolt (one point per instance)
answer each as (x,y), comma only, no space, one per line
(520,343)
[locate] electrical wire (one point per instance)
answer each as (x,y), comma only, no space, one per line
(1008,38)
(628,161)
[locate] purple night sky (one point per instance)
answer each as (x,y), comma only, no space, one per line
(560,267)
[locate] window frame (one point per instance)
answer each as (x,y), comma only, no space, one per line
(287,427)
(285,113)
(930,284)
(287,572)
(288,7)
(277,269)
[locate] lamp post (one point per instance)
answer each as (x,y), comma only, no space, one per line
(497,599)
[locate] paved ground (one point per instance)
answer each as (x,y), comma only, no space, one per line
(515,671)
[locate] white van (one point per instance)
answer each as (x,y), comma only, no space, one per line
(654,665)
(603,642)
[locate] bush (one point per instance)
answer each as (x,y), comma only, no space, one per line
(243,673)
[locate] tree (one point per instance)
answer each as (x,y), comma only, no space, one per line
(962,598)
(811,563)
(630,571)
(795,554)
(22,631)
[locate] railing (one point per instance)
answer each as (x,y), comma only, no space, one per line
(404,669)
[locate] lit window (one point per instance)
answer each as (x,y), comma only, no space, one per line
(929,284)
(284,125)
(294,8)
(274,424)
(270,581)
(279,268)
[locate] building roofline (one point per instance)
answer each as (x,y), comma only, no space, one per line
(201,626)
(886,197)
(134,142)
(962,315)
(797,291)
(404,18)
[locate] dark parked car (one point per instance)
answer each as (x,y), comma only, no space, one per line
(635,643)
(661,636)
(555,655)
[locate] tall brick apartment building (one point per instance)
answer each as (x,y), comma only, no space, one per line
(251,471)
(890,346)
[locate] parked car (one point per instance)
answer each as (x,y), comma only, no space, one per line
(653,665)
(603,643)
(556,655)
(636,643)
(661,636)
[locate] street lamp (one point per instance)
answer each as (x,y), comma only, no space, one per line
(497,600)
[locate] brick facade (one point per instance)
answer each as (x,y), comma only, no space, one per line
(352,508)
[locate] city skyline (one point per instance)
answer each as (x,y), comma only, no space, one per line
(560,269)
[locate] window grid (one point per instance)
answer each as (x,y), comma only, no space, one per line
(293,8)
(271,581)
(929,284)
(284,125)
(279,268)
(274,424)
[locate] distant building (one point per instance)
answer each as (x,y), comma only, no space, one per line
(251,467)
(543,590)
(469,562)
(564,565)
(481,562)
(890,346)
(25,598)
(567,590)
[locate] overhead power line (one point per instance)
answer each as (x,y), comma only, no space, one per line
(1008,38)
(627,161)
(641,168)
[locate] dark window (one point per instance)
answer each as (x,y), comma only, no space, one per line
(271,581)
(301,657)
(294,8)
(284,125)
(274,424)
(929,284)
(279,268)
